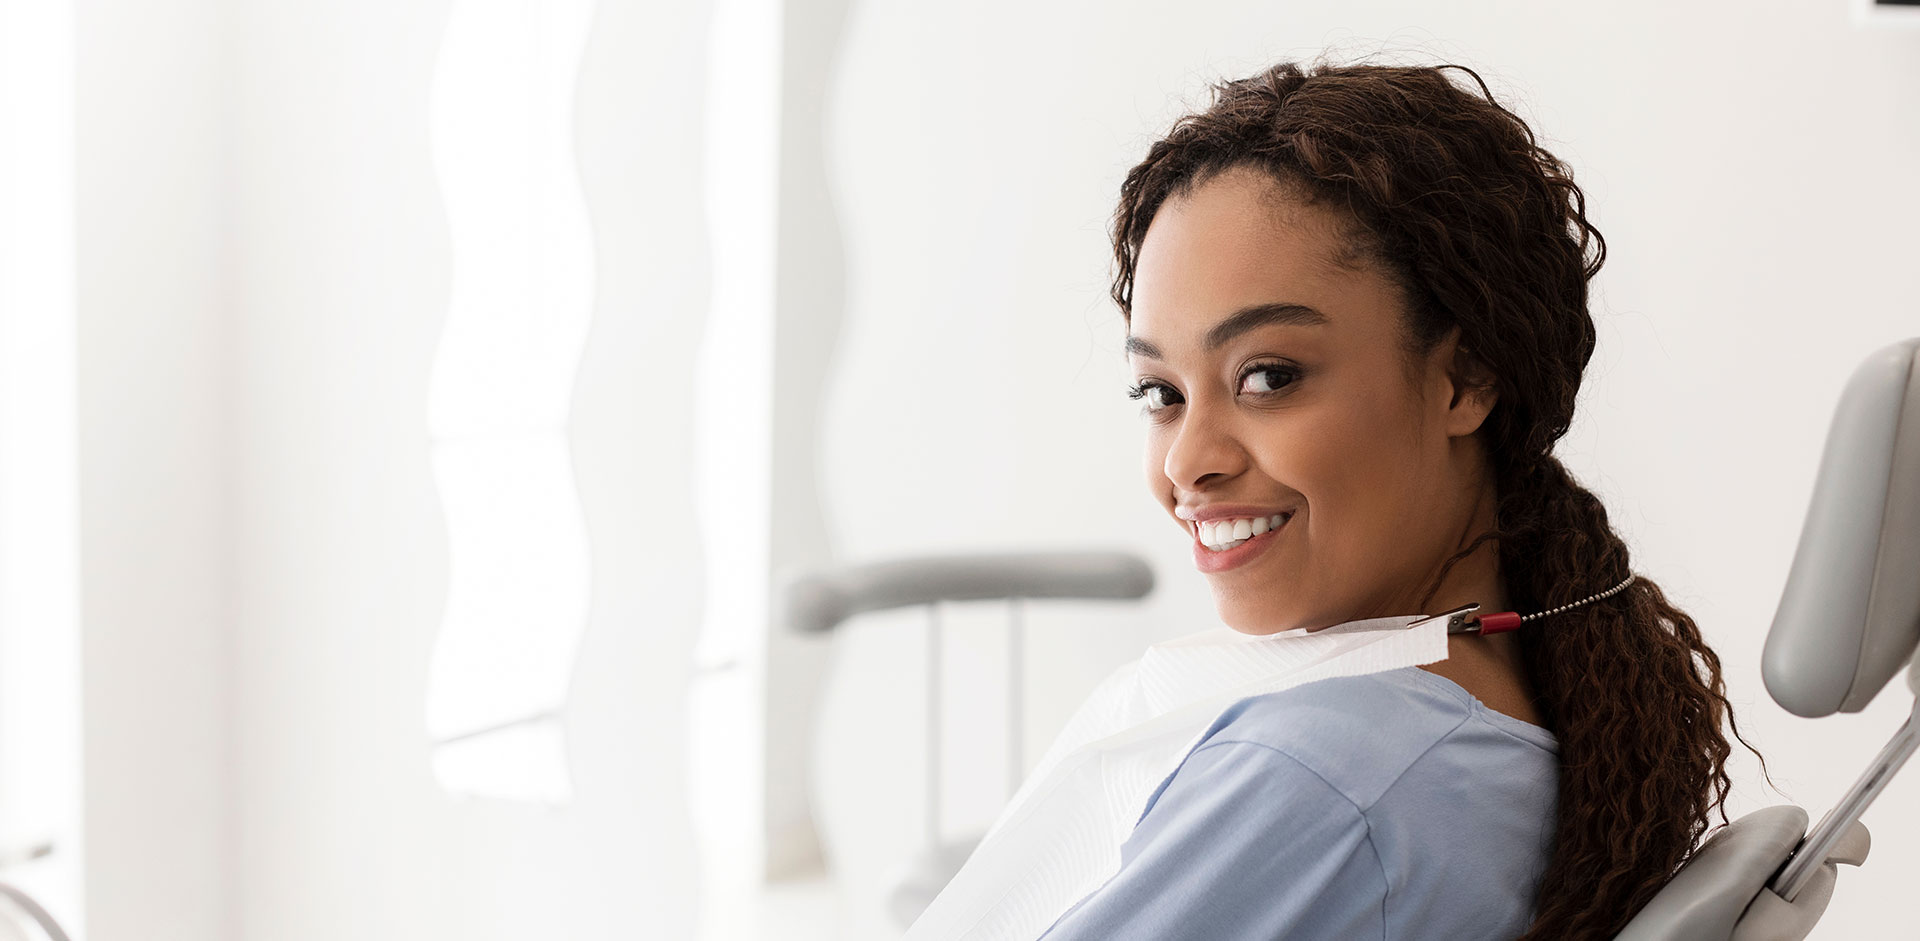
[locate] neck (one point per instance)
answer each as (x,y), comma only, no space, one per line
(1487,665)
(1475,578)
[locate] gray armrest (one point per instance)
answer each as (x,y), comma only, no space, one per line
(817,602)
(1772,918)
(1706,899)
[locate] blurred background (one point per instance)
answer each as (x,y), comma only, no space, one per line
(410,411)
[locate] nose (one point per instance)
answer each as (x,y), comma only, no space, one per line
(1204,451)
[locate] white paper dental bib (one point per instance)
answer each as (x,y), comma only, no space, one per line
(1059,836)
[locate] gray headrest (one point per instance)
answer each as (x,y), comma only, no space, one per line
(1849,617)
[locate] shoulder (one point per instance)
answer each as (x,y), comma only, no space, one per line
(1358,733)
(1450,804)
(1362,734)
(1242,842)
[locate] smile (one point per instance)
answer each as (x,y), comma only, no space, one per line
(1220,535)
(1220,545)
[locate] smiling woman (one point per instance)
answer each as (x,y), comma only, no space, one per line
(1356,301)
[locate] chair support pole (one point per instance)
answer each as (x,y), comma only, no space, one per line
(1016,689)
(1813,850)
(933,723)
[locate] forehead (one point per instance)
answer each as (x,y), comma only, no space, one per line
(1240,239)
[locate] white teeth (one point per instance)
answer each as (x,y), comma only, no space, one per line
(1221,535)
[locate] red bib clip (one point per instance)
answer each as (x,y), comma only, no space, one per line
(1499,622)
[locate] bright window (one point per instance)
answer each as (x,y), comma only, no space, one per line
(520,300)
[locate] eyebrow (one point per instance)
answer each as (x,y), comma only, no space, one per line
(1242,320)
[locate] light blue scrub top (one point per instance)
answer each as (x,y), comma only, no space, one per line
(1393,805)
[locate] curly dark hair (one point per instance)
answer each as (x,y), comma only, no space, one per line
(1448,193)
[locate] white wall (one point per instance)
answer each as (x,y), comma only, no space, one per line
(1750,166)
(154,428)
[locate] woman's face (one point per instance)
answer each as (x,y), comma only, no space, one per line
(1275,384)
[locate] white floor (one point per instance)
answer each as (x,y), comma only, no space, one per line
(813,909)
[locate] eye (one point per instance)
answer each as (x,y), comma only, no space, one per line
(1158,395)
(1268,378)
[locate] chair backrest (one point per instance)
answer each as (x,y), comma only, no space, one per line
(1849,616)
(1848,620)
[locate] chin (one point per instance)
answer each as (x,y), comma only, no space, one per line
(1260,616)
(1248,622)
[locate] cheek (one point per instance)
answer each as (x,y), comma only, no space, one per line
(1321,455)
(1349,468)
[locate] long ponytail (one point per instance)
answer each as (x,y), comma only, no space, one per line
(1631,690)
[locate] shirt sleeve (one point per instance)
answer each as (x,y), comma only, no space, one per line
(1243,842)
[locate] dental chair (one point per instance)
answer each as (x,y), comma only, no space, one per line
(1849,619)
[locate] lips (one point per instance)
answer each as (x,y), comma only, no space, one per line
(1201,512)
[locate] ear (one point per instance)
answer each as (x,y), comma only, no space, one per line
(1471,386)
